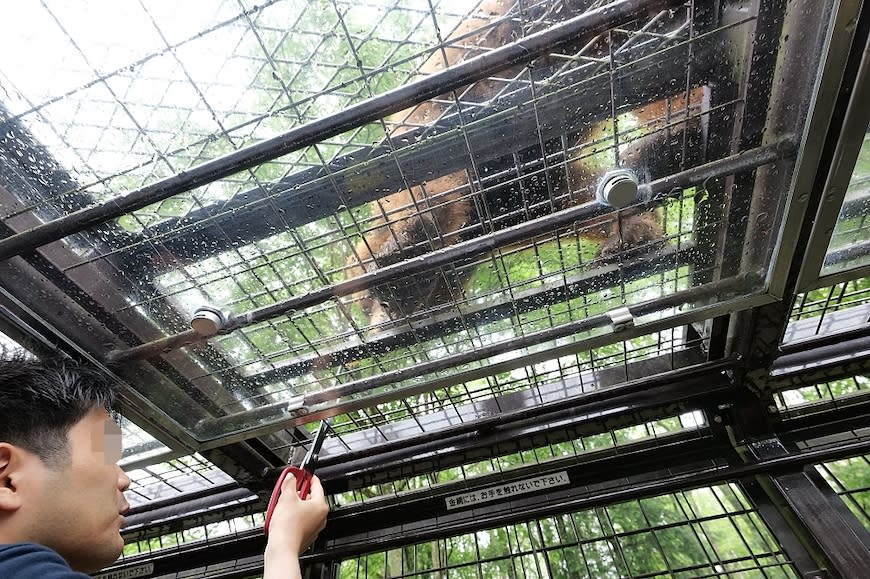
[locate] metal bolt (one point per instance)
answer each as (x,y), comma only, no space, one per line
(617,188)
(208,321)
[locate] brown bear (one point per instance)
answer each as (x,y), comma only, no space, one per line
(450,208)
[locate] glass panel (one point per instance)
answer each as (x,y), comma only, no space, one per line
(171,479)
(822,392)
(850,244)
(607,152)
(8,344)
(139,445)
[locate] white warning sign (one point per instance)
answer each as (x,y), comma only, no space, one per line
(144,570)
(496,493)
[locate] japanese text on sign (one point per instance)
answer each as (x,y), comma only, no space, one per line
(506,490)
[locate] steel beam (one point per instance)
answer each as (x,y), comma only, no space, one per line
(285,412)
(502,426)
(334,544)
(844,542)
(804,555)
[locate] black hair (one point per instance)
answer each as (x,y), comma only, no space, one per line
(40,400)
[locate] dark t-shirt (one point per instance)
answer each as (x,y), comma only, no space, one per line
(31,561)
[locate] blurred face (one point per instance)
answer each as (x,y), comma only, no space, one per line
(78,505)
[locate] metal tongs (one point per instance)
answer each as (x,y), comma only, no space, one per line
(303,473)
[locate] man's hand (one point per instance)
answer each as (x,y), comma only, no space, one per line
(294,526)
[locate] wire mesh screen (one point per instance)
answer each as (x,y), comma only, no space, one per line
(416,259)
(705,532)
(506,386)
(171,479)
(829,310)
(825,392)
(850,478)
(175,541)
(654,432)
(147,90)
(517,258)
(139,446)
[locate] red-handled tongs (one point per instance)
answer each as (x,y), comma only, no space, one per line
(303,473)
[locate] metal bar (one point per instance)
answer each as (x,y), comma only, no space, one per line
(799,554)
(516,430)
(639,459)
(435,323)
(660,189)
(637,490)
(679,445)
(758,335)
(845,547)
(632,460)
(784,148)
(508,125)
(488,133)
(278,410)
(846,254)
(214,432)
(821,419)
(838,368)
(33,173)
(834,278)
(759,49)
(412,266)
(252,542)
(857,204)
(185,522)
(522,51)
(803,360)
(826,339)
(854,130)
(170,502)
(80,331)
(103,289)
(810,91)
(235,547)
(603,392)
(156,522)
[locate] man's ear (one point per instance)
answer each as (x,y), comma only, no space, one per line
(10,462)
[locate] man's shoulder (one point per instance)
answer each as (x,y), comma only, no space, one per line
(32,561)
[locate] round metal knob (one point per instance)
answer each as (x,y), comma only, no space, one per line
(617,188)
(208,321)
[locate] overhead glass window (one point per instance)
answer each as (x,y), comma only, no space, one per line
(848,248)
(353,238)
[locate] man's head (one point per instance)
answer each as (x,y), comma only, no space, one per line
(60,484)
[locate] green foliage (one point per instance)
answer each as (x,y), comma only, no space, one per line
(851,479)
(704,531)
(505,463)
(815,303)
